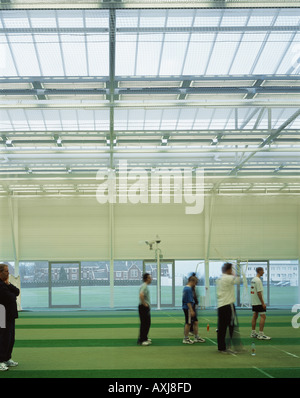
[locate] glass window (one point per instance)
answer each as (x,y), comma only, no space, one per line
(95,287)
(284,287)
(34,277)
(64,284)
(281,287)
(127,281)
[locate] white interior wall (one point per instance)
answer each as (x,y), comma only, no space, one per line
(6,246)
(182,235)
(255,227)
(62,229)
(247,227)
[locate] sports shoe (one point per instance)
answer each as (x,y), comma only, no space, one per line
(263,337)
(254,335)
(188,341)
(3,367)
(231,351)
(225,352)
(11,363)
(199,340)
(145,343)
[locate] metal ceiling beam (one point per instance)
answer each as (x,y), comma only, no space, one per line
(150,104)
(267,141)
(180,78)
(174,150)
(153,30)
(239,133)
(88,176)
(111,93)
(42,93)
(142,141)
(272,137)
(104,4)
(210,29)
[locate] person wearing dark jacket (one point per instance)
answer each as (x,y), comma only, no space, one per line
(8,300)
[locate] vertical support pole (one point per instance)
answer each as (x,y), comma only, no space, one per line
(79,283)
(268,283)
(111,254)
(112,67)
(238,286)
(158,270)
(14,222)
(110,97)
(207,288)
(269,120)
(298,279)
(13,213)
(207,241)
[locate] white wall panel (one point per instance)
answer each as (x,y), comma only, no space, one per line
(6,242)
(257,227)
(182,235)
(63,229)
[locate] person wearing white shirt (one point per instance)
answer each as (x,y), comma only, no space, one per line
(258,305)
(227,318)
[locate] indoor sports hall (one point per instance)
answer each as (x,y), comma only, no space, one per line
(157,137)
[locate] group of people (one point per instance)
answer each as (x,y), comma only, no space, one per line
(227,332)
(228,335)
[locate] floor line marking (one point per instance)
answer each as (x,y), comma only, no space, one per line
(286,352)
(207,338)
(263,372)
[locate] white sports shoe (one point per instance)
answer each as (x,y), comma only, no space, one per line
(11,363)
(188,341)
(3,367)
(253,334)
(263,337)
(145,343)
(199,340)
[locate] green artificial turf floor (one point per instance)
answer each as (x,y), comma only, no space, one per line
(103,344)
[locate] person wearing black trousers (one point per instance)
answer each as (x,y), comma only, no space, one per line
(8,299)
(144,311)
(227,318)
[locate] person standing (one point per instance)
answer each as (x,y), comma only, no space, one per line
(258,305)
(227,318)
(195,295)
(188,306)
(8,298)
(144,311)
